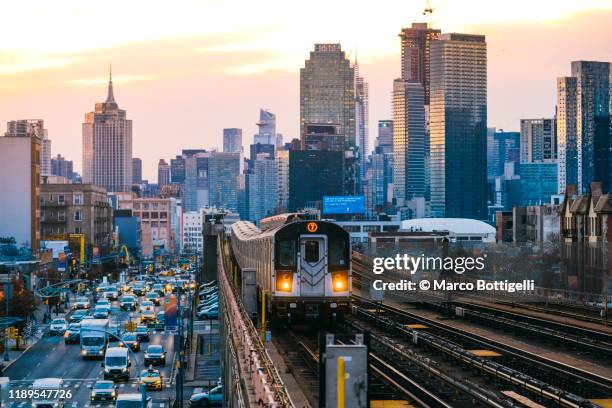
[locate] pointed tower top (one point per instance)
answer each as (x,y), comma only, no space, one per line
(110,98)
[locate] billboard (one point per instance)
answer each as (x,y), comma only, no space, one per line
(343,204)
(170,313)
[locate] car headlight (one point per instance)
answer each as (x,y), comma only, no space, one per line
(101,352)
(340,281)
(83,352)
(284,281)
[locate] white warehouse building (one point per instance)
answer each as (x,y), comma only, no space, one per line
(460,229)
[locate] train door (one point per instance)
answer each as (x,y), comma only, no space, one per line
(313,265)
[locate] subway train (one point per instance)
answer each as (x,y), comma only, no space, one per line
(304,266)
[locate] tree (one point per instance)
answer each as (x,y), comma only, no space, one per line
(22,301)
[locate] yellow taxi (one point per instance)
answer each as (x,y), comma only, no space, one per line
(151,378)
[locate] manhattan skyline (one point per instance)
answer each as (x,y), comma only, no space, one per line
(182,87)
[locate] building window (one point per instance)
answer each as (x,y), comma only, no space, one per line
(78,215)
(61,199)
(61,215)
(78,230)
(77,199)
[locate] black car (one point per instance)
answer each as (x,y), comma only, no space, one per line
(104,391)
(128,303)
(72,334)
(131,340)
(142,333)
(155,355)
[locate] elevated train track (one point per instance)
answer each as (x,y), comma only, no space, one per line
(545,377)
(571,337)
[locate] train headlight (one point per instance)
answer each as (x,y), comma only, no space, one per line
(284,282)
(340,281)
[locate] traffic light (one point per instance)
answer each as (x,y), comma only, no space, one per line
(130,326)
(11,332)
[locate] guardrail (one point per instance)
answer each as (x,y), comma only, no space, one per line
(254,360)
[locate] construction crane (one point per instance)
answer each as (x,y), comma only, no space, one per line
(428,12)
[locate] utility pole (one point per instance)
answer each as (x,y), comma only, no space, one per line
(179,382)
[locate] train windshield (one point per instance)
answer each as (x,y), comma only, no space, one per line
(286,254)
(311,249)
(337,251)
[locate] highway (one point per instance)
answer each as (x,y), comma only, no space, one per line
(50,357)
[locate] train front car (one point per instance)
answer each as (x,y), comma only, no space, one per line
(312,267)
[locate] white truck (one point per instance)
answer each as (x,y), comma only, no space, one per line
(94,338)
(48,393)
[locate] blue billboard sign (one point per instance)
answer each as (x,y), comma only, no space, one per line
(343,204)
(170,313)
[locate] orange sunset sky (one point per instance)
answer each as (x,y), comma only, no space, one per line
(184,70)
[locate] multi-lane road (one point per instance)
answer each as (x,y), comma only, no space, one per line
(50,357)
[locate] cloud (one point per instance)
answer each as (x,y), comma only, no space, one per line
(15,63)
(117,80)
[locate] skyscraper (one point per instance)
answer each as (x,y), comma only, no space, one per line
(136,170)
(583,104)
(362,122)
(163,173)
(312,175)
(232,140)
(567,151)
(415,54)
(33,127)
(282,178)
(196,186)
(322,137)
(458,126)
(502,147)
(327,90)
(177,169)
(107,145)
(408,140)
(261,187)
(267,128)
(224,169)
(384,140)
(538,140)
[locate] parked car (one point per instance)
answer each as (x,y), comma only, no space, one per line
(211,312)
(214,397)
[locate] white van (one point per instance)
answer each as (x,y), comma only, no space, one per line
(117,364)
(50,397)
(132,401)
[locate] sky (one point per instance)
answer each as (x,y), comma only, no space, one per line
(184,70)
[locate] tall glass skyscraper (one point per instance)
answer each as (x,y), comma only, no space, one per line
(458,126)
(415,54)
(267,128)
(327,90)
(362,95)
(408,140)
(232,140)
(567,152)
(107,146)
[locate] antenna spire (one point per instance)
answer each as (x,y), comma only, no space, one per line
(110,98)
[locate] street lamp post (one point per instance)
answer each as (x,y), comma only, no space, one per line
(6,313)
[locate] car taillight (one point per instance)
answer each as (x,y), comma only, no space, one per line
(284,281)
(340,281)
